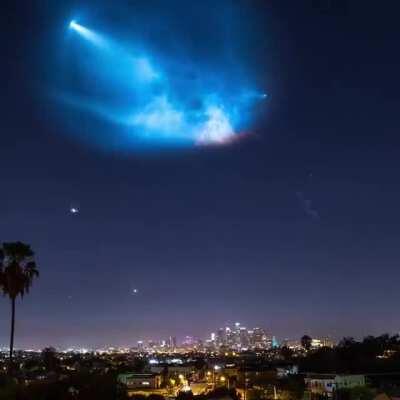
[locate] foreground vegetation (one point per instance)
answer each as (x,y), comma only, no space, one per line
(57,376)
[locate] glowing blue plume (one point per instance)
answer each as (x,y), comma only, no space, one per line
(156,99)
(159,116)
(216,129)
(88,34)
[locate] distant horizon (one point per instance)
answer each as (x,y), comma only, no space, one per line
(93,346)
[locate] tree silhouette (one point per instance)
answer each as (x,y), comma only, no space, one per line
(306,342)
(50,360)
(17,271)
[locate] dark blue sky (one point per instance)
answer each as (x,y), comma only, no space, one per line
(294,227)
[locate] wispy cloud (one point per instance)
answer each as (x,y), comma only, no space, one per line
(306,205)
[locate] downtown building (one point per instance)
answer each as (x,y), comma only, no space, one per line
(239,338)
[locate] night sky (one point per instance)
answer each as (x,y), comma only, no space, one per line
(293,227)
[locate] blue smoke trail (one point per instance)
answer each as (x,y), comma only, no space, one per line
(168,102)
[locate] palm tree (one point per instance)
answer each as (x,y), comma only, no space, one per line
(17,271)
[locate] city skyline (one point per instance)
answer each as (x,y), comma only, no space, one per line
(257,338)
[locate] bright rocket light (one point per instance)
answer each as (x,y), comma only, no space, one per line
(151,99)
(87,33)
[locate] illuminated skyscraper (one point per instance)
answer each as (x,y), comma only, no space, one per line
(240,338)
(172,342)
